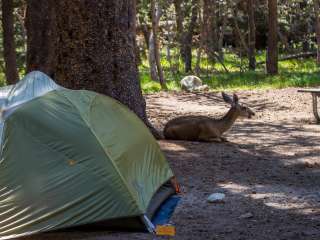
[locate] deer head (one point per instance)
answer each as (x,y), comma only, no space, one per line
(242,110)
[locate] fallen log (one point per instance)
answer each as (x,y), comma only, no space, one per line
(294,56)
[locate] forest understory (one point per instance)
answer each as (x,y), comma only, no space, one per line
(269,171)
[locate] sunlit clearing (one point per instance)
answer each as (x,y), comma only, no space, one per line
(283,198)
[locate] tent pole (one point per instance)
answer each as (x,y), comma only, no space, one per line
(148,223)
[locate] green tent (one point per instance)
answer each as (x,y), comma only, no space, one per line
(71,158)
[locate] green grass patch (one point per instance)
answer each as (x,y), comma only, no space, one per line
(292,73)
(2,79)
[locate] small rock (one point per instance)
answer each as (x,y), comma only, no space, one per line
(192,83)
(246,215)
(216,198)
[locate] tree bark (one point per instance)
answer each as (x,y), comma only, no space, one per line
(252,35)
(169,36)
(202,38)
(41,36)
(238,31)
(210,28)
(96,44)
(146,33)
(222,33)
(95,49)
(272,49)
(179,24)
(9,47)
(185,35)
(152,58)
(155,18)
(21,18)
(187,38)
(317,27)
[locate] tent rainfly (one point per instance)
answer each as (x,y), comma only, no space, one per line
(72,158)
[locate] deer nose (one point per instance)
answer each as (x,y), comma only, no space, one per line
(251,114)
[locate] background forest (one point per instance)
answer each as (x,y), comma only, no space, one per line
(224,42)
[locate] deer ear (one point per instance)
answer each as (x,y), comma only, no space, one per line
(226,98)
(235,98)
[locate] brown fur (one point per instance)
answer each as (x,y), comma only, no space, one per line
(202,128)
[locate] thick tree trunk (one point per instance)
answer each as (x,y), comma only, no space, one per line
(272,51)
(317,27)
(95,49)
(96,42)
(252,35)
(155,18)
(9,47)
(41,36)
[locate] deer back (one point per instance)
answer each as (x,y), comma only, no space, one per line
(191,128)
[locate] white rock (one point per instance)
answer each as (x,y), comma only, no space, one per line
(216,198)
(246,215)
(192,83)
(204,87)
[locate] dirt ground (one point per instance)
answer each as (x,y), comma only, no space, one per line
(270,170)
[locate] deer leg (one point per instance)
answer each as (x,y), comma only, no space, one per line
(223,139)
(215,139)
(204,138)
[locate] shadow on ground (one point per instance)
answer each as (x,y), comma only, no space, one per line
(279,189)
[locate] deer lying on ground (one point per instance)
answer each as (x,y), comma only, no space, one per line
(206,129)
